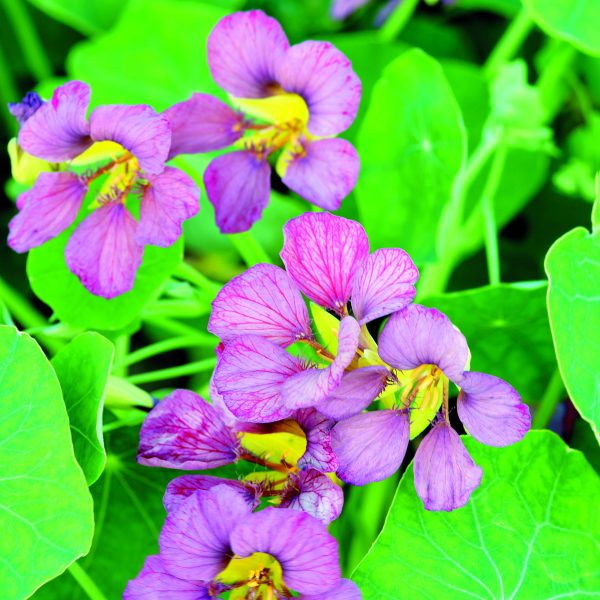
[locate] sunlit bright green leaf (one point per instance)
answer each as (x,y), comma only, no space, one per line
(83,368)
(529,531)
(573,268)
(412,145)
(45,506)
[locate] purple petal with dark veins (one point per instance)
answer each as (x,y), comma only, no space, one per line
(249,376)
(322,254)
(263,301)
(445,474)
(317,429)
(46,210)
(195,540)
(183,431)
(315,494)
(384,283)
(492,410)
(344,590)
(370,446)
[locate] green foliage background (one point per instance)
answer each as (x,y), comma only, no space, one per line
(480,165)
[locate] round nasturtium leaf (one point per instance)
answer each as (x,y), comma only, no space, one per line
(529,531)
(83,368)
(573,268)
(46,511)
(55,285)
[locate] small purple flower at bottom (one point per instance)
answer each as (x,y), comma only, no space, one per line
(290,102)
(213,543)
(125,146)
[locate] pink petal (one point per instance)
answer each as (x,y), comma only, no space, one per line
(262,301)
(58,130)
(491,410)
(238,185)
(322,254)
(167,201)
(344,590)
(138,128)
(356,391)
(370,446)
(244,51)
(323,76)
(312,386)
(384,283)
(445,474)
(249,377)
(202,124)
(417,336)
(103,252)
(46,210)
(325,173)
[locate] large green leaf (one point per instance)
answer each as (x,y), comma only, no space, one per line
(55,285)
(508,333)
(412,145)
(573,269)
(529,532)
(46,514)
(575,21)
(83,368)
(156,54)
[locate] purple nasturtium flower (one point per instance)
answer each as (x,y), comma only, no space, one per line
(213,543)
(290,102)
(183,431)
(261,312)
(127,146)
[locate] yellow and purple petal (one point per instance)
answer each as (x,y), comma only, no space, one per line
(370,446)
(263,301)
(138,128)
(245,50)
(195,540)
(384,283)
(238,185)
(183,431)
(202,124)
(445,474)
(317,428)
(168,199)
(315,494)
(46,210)
(322,254)
(492,410)
(307,553)
(324,77)
(103,252)
(418,335)
(249,377)
(324,173)
(58,130)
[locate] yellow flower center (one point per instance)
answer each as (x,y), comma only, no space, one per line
(257,576)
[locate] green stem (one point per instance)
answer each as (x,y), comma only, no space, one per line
(510,43)
(167,345)
(489,215)
(188,273)
(554,76)
(552,396)
(29,42)
(192,368)
(122,345)
(398,20)
(86,582)
(20,308)
(171,326)
(185,309)
(249,249)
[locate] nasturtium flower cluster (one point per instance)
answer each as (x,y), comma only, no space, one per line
(289,103)
(120,152)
